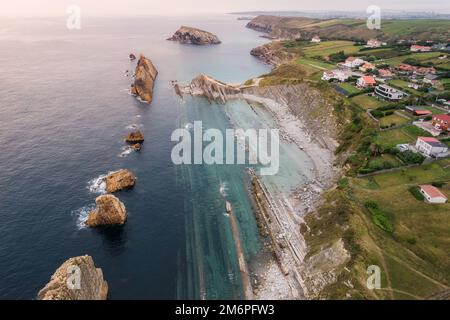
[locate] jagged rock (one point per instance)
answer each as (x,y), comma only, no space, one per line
(189,35)
(212,89)
(109,211)
(144,79)
(136,147)
(122,179)
(63,284)
(135,137)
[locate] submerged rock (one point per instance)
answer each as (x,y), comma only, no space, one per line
(122,179)
(135,137)
(144,80)
(109,211)
(136,147)
(189,35)
(64,285)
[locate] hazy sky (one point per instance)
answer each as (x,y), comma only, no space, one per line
(149,7)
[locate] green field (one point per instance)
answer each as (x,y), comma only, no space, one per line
(424,56)
(392,120)
(366,102)
(405,134)
(416,255)
(351,89)
(326,48)
(403,85)
(399,28)
(314,63)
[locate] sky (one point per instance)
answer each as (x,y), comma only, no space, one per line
(160,7)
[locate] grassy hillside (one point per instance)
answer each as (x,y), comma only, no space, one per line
(352,29)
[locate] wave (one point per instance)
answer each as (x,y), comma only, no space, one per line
(126,150)
(134,126)
(81,215)
(98,185)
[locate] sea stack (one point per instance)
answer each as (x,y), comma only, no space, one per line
(144,80)
(189,35)
(135,137)
(64,285)
(120,180)
(109,211)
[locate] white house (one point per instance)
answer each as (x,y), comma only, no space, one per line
(353,62)
(374,43)
(388,92)
(431,147)
(316,39)
(432,194)
(341,75)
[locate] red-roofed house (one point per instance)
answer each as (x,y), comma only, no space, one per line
(431,147)
(385,73)
(442,122)
(432,194)
(366,81)
(366,67)
(416,48)
(418,111)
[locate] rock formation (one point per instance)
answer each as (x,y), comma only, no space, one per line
(119,180)
(64,284)
(212,89)
(144,79)
(132,57)
(109,211)
(135,137)
(189,35)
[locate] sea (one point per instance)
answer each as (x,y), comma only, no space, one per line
(64,110)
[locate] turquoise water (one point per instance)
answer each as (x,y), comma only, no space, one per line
(64,109)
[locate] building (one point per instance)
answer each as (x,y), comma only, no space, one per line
(414,86)
(316,39)
(407,68)
(431,79)
(432,194)
(441,122)
(417,48)
(385,73)
(366,81)
(374,43)
(389,93)
(340,75)
(418,111)
(353,62)
(366,66)
(431,147)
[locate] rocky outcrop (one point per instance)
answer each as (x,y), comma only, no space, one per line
(135,137)
(120,180)
(109,211)
(264,23)
(64,284)
(272,54)
(210,88)
(144,79)
(189,35)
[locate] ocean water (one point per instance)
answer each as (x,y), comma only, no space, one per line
(64,109)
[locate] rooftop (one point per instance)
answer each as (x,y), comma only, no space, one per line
(432,191)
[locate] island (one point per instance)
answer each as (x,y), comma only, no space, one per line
(144,79)
(189,35)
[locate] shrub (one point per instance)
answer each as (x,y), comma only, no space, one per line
(380,217)
(412,241)
(343,183)
(438,184)
(410,157)
(416,193)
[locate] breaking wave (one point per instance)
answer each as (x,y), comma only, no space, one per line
(81,215)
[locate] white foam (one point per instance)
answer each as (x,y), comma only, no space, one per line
(223,189)
(98,185)
(81,215)
(126,150)
(133,126)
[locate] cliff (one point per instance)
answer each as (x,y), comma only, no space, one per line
(122,179)
(189,35)
(144,79)
(109,211)
(63,283)
(272,53)
(210,88)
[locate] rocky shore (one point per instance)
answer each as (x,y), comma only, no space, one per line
(144,79)
(189,35)
(65,284)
